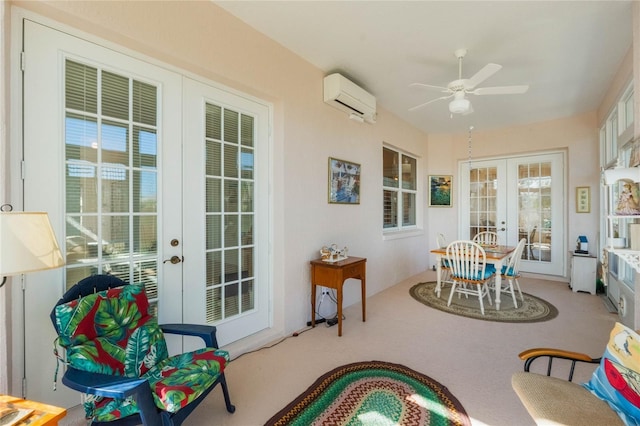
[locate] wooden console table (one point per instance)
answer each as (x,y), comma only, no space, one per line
(42,415)
(333,275)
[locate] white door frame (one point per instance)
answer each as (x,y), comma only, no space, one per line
(17,358)
(557,267)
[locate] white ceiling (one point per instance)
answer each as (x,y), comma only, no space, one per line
(566,51)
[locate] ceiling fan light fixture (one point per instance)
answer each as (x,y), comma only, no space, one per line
(459,106)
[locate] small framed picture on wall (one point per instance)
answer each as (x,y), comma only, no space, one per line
(440,190)
(344,182)
(583,199)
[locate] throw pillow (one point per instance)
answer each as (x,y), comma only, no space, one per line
(617,378)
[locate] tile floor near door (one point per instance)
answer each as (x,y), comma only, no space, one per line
(474,359)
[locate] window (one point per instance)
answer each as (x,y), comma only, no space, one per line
(111,176)
(399,189)
(611,137)
(625,109)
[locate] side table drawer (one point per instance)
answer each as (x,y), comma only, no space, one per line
(353,271)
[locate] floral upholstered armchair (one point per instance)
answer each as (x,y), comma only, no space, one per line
(116,354)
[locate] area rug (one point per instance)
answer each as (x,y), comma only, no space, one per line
(373,393)
(533,309)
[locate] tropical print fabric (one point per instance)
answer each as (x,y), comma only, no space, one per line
(617,379)
(113,332)
(180,379)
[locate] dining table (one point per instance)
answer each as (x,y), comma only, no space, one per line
(496,255)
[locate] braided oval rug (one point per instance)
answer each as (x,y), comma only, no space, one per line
(531,309)
(373,393)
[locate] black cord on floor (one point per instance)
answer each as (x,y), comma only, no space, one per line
(296,334)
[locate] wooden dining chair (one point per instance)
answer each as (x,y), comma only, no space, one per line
(470,273)
(511,272)
(445,270)
(486,238)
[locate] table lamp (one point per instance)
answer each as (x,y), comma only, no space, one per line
(27,244)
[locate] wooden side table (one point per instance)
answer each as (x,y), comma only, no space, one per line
(333,275)
(42,415)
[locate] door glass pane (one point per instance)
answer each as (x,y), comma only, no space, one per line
(534,210)
(482,200)
(111,176)
(229,156)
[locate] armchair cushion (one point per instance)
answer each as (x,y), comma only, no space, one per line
(554,401)
(199,369)
(508,271)
(488,271)
(113,332)
(617,378)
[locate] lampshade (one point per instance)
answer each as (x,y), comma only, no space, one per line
(458,106)
(27,243)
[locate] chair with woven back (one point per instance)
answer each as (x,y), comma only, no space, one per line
(511,272)
(470,273)
(117,355)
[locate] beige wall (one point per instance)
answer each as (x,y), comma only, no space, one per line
(620,81)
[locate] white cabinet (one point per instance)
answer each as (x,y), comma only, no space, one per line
(583,274)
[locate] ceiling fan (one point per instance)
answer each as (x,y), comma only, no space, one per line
(458,89)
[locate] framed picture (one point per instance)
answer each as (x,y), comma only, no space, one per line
(583,199)
(440,190)
(344,182)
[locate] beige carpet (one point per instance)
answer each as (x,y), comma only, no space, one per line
(474,359)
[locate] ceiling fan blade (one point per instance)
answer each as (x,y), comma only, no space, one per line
(501,90)
(482,75)
(428,102)
(429,86)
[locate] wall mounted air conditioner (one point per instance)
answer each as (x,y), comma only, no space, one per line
(341,93)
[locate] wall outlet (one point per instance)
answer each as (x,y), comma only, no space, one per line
(324,291)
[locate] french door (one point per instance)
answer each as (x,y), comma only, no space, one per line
(146,175)
(518,197)
(226,210)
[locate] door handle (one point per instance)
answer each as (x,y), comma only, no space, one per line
(174,260)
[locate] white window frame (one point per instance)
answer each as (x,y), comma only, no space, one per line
(404,230)
(625,114)
(611,132)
